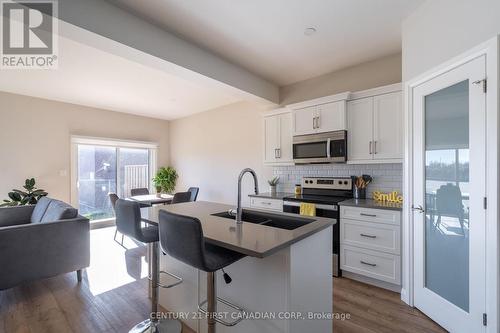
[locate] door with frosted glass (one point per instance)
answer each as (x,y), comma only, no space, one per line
(448,199)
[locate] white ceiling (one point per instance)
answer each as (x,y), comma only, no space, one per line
(267,36)
(91,77)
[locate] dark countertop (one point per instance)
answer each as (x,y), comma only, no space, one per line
(269,195)
(370,203)
(248,238)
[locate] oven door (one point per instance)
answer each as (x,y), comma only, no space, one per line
(329,211)
(328,147)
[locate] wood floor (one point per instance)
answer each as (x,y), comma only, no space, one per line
(113,297)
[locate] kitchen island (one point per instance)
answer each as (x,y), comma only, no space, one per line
(285,279)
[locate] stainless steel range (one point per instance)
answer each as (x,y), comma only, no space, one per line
(325,193)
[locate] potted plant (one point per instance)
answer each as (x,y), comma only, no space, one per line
(273,183)
(165,180)
(30,196)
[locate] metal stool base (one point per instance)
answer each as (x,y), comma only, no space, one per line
(162,326)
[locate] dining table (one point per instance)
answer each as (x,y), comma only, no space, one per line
(153,199)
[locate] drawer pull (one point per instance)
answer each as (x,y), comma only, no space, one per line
(367,263)
(369,215)
(266,203)
(368,236)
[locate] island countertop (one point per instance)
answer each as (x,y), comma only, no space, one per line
(248,238)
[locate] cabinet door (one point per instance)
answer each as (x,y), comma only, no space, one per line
(388,126)
(303,121)
(271,138)
(331,117)
(359,129)
(285,132)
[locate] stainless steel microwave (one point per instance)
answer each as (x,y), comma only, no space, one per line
(329,147)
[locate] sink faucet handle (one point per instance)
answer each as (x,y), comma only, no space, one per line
(232,212)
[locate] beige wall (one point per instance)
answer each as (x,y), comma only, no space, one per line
(367,75)
(440,30)
(35,139)
(210,149)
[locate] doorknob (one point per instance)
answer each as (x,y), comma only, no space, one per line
(419,209)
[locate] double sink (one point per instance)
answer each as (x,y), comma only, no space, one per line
(268,219)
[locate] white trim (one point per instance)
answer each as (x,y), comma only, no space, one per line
(321,100)
(381,161)
(377,91)
(491,50)
(98,141)
(276,112)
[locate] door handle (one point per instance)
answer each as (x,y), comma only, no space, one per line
(367,263)
(370,147)
(419,209)
(328,145)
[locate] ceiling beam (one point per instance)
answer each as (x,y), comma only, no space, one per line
(191,61)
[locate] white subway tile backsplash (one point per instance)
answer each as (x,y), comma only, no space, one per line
(386,177)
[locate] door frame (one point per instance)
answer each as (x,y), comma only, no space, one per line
(490,49)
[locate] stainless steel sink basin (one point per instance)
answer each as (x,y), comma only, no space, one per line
(269,219)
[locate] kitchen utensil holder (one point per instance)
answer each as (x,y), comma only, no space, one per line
(359,193)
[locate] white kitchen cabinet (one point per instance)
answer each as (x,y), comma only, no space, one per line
(278,137)
(304,121)
(388,126)
(320,115)
(359,133)
(370,245)
(266,203)
(375,129)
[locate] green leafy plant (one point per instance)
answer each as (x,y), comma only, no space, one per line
(165,179)
(29,196)
(274,181)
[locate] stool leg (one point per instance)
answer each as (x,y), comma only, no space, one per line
(155,276)
(211,300)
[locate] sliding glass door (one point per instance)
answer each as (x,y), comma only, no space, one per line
(102,169)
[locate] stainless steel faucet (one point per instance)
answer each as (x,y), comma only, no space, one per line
(239,210)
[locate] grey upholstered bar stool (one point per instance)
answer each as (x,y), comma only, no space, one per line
(181,237)
(128,220)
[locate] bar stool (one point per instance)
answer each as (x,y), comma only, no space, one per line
(181,237)
(128,219)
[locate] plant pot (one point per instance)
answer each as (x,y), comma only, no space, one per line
(272,189)
(359,193)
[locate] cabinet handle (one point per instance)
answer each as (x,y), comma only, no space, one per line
(367,263)
(318,125)
(266,203)
(369,215)
(368,236)
(374,147)
(314,122)
(370,147)
(279,152)
(275,153)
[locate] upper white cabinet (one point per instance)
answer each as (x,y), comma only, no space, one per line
(278,137)
(375,127)
(320,115)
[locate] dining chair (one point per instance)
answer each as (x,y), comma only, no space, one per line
(194,193)
(139,191)
(113,197)
(181,197)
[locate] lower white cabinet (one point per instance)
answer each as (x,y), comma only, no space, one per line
(370,243)
(266,203)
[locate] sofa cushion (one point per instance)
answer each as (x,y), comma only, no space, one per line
(40,209)
(59,210)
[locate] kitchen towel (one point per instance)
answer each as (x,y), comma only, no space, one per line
(307,209)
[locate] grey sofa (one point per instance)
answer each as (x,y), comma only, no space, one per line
(42,240)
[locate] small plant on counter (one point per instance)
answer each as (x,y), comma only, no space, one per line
(165,179)
(272,184)
(30,196)
(274,181)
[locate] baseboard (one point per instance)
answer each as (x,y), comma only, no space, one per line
(371,281)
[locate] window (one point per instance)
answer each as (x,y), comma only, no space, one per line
(102,166)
